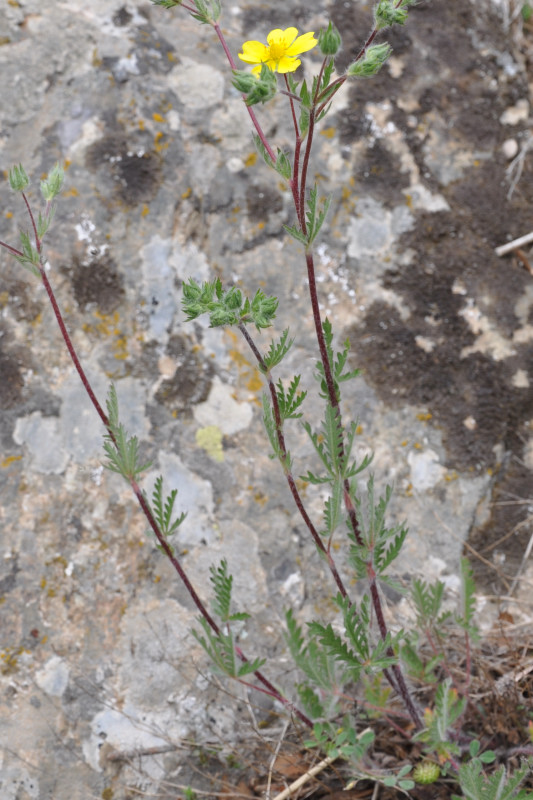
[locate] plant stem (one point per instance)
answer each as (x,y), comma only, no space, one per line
(12,250)
(250,110)
(144,504)
(285,463)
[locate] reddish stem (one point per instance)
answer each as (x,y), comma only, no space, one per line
(250,110)
(34,226)
(12,250)
(140,497)
(288,474)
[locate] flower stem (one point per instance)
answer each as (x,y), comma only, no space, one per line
(12,250)
(285,463)
(250,110)
(142,500)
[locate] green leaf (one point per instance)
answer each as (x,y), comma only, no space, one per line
(297,234)
(370,62)
(290,401)
(163,509)
(278,351)
(122,450)
(283,165)
(263,151)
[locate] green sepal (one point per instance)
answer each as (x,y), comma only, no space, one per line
(18,179)
(51,186)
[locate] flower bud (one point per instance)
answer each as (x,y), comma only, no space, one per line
(387,13)
(371,62)
(18,179)
(329,40)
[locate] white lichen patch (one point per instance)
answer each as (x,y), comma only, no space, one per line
(222,409)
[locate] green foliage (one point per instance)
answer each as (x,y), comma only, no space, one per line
(465,619)
(381,544)
(316,214)
(29,259)
(329,40)
(355,651)
(263,151)
(163,509)
(438,735)
(18,179)
(370,62)
(220,646)
(475,785)
(227,307)
(258,89)
(122,450)
(290,401)
(167,3)
(277,351)
(314,661)
(208,11)
(51,186)
(526,11)
(283,165)
(387,12)
(423,671)
(337,362)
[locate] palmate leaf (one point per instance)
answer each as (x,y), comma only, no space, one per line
(164,508)
(278,350)
(122,450)
(498,786)
(315,663)
(220,646)
(427,600)
(468,599)
(333,644)
(333,509)
(386,551)
(289,401)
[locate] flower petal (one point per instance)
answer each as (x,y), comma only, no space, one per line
(254,52)
(302,44)
(287,64)
(287,36)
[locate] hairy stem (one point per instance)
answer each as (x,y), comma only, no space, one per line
(284,459)
(146,508)
(12,250)
(250,110)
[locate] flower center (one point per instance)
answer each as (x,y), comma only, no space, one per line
(277,50)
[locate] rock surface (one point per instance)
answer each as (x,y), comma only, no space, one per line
(163,183)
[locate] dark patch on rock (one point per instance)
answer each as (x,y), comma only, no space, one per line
(98,283)
(421,359)
(133,174)
(9,581)
(453,389)
(12,382)
(261,201)
(192,381)
(381,174)
(122,17)
(21,300)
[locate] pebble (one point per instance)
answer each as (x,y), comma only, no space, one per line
(510,148)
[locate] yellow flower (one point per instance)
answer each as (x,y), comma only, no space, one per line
(280,52)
